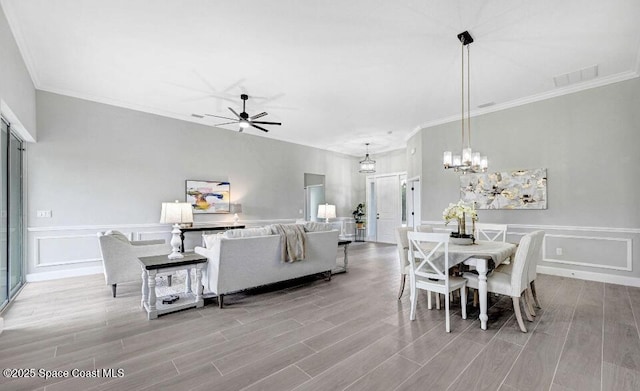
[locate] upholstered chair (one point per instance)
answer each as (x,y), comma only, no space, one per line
(120,256)
(515,282)
(402,243)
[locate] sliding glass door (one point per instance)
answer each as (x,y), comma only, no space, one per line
(11,224)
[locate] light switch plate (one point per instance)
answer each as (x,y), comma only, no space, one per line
(43,213)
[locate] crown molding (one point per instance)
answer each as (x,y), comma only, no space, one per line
(594,83)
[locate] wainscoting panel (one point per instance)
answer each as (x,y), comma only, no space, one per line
(597,253)
(64,250)
(591,251)
(67,251)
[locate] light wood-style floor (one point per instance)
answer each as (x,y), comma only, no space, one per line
(350,333)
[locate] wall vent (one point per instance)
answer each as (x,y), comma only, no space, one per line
(578,76)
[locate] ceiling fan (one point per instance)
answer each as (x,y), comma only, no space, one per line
(243,119)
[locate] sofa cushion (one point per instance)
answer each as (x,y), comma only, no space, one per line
(247,233)
(118,235)
(313,226)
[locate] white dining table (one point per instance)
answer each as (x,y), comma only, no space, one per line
(478,255)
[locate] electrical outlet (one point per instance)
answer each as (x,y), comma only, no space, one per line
(43,213)
(559,251)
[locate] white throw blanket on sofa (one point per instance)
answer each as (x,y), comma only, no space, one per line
(293,241)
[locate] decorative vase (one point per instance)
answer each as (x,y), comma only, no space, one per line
(462,229)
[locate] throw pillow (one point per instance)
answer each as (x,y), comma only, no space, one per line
(312,226)
(210,240)
(247,233)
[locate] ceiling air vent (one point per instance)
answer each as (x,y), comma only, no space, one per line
(578,76)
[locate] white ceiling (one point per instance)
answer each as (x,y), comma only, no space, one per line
(336,73)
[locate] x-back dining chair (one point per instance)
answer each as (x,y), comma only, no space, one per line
(491,232)
(429,270)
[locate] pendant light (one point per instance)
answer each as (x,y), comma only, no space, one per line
(367,165)
(468,161)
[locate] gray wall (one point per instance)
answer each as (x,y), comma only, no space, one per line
(588,142)
(17,92)
(96,165)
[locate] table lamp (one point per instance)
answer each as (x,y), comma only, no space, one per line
(235,209)
(176,213)
(326,212)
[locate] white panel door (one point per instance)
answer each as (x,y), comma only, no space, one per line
(388,208)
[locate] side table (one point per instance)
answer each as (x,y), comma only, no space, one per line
(152,265)
(360,234)
(343,269)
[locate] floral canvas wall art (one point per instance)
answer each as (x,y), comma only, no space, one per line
(208,196)
(519,189)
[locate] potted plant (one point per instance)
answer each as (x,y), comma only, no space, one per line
(460,212)
(358,214)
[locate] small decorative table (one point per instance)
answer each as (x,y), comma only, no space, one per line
(152,265)
(343,269)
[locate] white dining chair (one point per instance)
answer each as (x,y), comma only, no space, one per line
(402,243)
(516,282)
(491,232)
(532,297)
(429,270)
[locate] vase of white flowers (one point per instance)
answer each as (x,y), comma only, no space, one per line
(460,212)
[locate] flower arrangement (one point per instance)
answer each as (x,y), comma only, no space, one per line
(460,212)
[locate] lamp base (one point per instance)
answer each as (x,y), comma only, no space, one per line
(175,243)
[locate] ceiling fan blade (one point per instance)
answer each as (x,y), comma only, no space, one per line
(259,127)
(197,115)
(234,113)
(266,123)
(226,123)
(259,115)
(219,116)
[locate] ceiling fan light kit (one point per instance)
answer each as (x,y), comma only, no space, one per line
(243,119)
(468,161)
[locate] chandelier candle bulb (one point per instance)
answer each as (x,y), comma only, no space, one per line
(457,160)
(447,159)
(466,156)
(475,159)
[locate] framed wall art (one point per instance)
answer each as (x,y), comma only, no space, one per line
(208,196)
(519,189)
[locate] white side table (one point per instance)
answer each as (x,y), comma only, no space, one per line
(150,268)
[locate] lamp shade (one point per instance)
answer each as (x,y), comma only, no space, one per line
(326,211)
(176,213)
(235,208)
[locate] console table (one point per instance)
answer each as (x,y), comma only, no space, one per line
(202,228)
(152,265)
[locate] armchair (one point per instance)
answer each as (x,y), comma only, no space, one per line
(120,256)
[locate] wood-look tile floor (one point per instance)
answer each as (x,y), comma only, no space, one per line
(350,333)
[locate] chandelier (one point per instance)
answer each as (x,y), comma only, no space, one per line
(367,165)
(468,161)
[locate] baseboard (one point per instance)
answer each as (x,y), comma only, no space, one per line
(54,275)
(590,276)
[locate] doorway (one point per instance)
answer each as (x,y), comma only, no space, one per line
(11,224)
(314,195)
(385,206)
(413,202)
